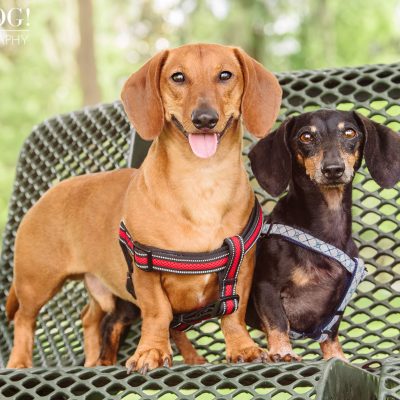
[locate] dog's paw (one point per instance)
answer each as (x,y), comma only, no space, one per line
(103,362)
(343,358)
(146,360)
(284,356)
(339,355)
(19,365)
(247,354)
(107,357)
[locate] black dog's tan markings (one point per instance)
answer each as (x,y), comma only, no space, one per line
(114,328)
(294,288)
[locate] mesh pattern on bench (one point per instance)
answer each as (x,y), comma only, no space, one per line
(251,381)
(179,382)
(389,387)
(97,139)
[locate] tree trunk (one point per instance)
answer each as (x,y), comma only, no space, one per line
(324,19)
(86,58)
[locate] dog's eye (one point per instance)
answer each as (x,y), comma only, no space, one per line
(178,77)
(349,133)
(225,75)
(306,137)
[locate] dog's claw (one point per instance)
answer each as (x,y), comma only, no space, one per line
(228,360)
(166,362)
(284,357)
(130,368)
(240,359)
(276,358)
(264,357)
(144,369)
(287,358)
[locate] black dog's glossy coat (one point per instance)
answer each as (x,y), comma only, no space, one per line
(294,288)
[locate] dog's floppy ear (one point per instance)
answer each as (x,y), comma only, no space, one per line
(271,160)
(262,96)
(142,100)
(381,151)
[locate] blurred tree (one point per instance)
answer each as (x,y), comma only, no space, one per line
(86,58)
(44,77)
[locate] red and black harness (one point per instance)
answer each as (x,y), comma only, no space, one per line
(225,261)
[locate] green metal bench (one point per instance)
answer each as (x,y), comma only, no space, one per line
(98,139)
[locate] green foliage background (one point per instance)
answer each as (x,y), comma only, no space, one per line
(40,79)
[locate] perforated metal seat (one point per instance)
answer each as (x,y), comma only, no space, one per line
(97,139)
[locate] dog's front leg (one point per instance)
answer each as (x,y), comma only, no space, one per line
(274,322)
(331,347)
(154,348)
(240,347)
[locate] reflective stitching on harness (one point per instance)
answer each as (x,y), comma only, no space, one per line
(174,271)
(232,281)
(227,271)
(230,255)
(355,267)
(306,240)
(181,259)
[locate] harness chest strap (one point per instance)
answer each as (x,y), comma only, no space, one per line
(354,266)
(225,261)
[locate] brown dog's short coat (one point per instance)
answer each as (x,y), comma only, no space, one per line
(176,201)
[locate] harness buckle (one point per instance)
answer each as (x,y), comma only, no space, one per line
(232,281)
(266,228)
(177,320)
(149,255)
(129,285)
(216,309)
(218,304)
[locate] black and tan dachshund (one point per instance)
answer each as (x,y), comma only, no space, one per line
(317,155)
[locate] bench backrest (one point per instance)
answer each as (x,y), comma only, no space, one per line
(97,139)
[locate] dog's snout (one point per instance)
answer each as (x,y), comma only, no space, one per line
(333,171)
(204,118)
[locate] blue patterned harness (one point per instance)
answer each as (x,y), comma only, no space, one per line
(355,266)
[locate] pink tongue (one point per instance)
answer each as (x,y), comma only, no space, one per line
(203,145)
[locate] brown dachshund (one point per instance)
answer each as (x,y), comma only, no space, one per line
(190,193)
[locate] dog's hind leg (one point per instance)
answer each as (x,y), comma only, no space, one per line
(186,348)
(91,316)
(31,294)
(101,301)
(114,328)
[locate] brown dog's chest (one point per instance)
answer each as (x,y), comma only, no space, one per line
(190,292)
(190,215)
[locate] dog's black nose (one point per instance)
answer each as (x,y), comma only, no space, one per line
(204,118)
(333,171)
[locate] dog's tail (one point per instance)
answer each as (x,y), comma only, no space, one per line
(12,304)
